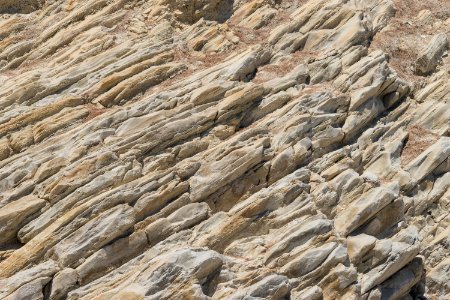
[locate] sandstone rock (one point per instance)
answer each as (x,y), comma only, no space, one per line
(96,233)
(62,282)
(190,12)
(430,159)
(270,287)
(30,282)
(4,149)
(113,254)
(439,276)
(364,208)
(26,6)
(13,215)
(187,266)
(428,60)
(401,253)
(308,261)
(399,284)
(313,293)
(359,245)
(234,164)
(174,149)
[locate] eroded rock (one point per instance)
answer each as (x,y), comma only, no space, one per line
(223,149)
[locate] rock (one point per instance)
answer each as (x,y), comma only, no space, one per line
(359,245)
(224,149)
(308,261)
(298,237)
(402,252)
(185,266)
(189,215)
(385,219)
(28,283)
(94,234)
(24,7)
(270,287)
(313,293)
(430,159)
(22,140)
(235,164)
(63,282)
(13,215)
(209,93)
(364,208)
(186,11)
(4,149)
(113,254)
(438,276)
(133,85)
(398,286)
(428,60)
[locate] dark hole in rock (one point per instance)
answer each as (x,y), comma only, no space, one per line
(249,77)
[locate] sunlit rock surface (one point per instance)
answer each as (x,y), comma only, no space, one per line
(263,149)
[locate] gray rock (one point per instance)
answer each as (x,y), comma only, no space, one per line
(428,60)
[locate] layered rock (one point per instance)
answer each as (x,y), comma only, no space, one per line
(224,149)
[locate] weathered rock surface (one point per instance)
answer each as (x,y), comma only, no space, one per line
(174,149)
(429,60)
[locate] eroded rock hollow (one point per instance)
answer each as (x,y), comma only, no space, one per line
(261,149)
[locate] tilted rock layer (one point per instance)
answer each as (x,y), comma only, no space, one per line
(263,149)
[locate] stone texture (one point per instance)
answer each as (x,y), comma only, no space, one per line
(174,149)
(14,214)
(429,59)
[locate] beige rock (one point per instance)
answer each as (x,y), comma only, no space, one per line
(359,245)
(185,266)
(402,252)
(14,214)
(95,234)
(26,6)
(63,281)
(235,164)
(313,293)
(22,139)
(113,254)
(308,261)
(364,208)
(4,149)
(428,60)
(28,282)
(399,285)
(270,287)
(438,276)
(140,139)
(63,119)
(430,159)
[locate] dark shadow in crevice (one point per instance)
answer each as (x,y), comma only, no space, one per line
(210,283)
(250,76)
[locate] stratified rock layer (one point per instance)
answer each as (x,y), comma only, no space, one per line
(174,149)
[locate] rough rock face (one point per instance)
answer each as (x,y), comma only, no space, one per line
(19,6)
(263,149)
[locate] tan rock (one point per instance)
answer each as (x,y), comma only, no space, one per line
(140,139)
(63,281)
(364,208)
(14,214)
(93,235)
(359,245)
(428,60)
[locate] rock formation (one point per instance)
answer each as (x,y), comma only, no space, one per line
(261,149)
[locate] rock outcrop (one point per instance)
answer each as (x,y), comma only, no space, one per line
(174,149)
